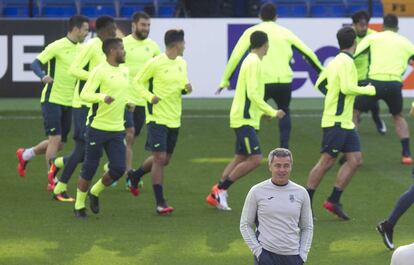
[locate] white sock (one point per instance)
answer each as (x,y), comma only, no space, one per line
(28,154)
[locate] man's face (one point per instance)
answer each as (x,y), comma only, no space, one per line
(180,46)
(83,31)
(119,53)
(110,31)
(142,28)
(280,169)
(265,48)
(361,27)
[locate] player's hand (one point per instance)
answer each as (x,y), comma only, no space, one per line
(280,114)
(131,107)
(188,88)
(412,111)
(108,99)
(155,100)
(47,79)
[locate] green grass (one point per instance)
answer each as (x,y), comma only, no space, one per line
(34,229)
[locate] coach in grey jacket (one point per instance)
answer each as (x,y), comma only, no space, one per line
(276,220)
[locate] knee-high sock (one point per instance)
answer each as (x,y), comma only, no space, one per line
(402,205)
(284,128)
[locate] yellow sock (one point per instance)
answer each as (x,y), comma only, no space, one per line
(59,162)
(80,199)
(60,187)
(98,188)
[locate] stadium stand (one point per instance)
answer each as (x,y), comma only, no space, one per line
(166,8)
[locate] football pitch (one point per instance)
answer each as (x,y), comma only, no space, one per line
(34,229)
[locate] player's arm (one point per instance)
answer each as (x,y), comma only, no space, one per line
(306,227)
(309,55)
(322,83)
(247,223)
(348,84)
(239,50)
(363,46)
(188,88)
(81,60)
(89,93)
(141,82)
(45,56)
(253,88)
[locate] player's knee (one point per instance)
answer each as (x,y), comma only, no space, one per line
(161,159)
(116,172)
(256,160)
(130,136)
(355,162)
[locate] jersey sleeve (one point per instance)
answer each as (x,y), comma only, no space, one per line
(306,227)
(49,52)
(141,81)
(239,50)
(253,86)
(156,48)
(363,46)
(247,223)
(309,55)
(88,93)
(322,82)
(348,85)
(81,60)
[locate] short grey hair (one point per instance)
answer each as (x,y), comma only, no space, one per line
(280,152)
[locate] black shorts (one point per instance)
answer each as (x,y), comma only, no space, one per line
(139,119)
(128,119)
(280,93)
(96,142)
(247,142)
(389,91)
(336,139)
(57,119)
(80,116)
(161,138)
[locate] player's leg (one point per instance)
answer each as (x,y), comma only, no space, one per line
(129,138)
(139,121)
(93,153)
(24,155)
(115,151)
(379,123)
(386,227)
(282,97)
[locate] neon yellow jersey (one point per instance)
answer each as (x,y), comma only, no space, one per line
(248,104)
(276,64)
(362,61)
(107,80)
(138,52)
(166,79)
(90,55)
(59,55)
(389,53)
(339,83)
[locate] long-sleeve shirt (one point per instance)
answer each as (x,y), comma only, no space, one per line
(362,61)
(389,53)
(248,104)
(138,52)
(89,56)
(339,83)
(276,64)
(284,219)
(59,55)
(166,79)
(107,80)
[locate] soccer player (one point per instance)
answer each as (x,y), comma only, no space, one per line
(168,74)
(339,83)
(246,111)
(89,57)
(389,54)
(276,221)
(57,94)
(277,72)
(360,22)
(139,49)
(107,90)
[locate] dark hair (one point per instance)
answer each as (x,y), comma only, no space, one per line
(346,37)
(268,11)
(359,15)
(103,21)
(258,39)
(109,44)
(77,21)
(172,36)
(138,15)
(390,21)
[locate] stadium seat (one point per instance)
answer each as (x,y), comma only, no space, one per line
(128,7)
(328,8)
(63,8)
(290,8)
(127,11)
(18,8)
(166,11)
(96,8)
(357,5)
